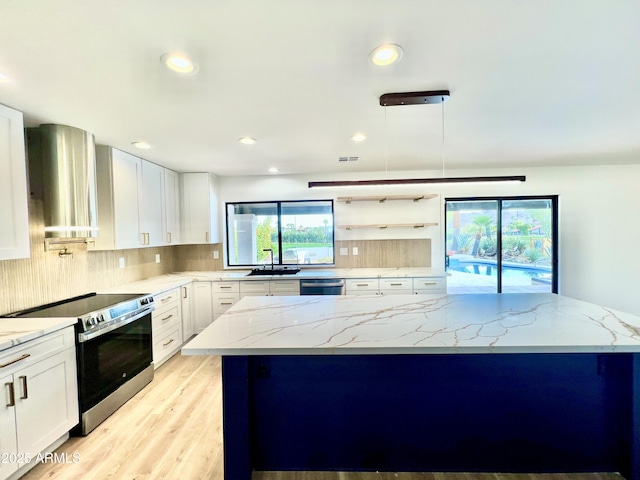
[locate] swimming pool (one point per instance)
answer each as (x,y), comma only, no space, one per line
(509,270)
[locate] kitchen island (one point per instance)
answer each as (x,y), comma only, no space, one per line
(513,382)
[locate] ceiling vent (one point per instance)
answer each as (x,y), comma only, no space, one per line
(348,159)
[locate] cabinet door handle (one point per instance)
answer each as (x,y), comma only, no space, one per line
(206,235)
(184,290)
(168,343)
(167,318)
(26,355)
(25,391)
(169,237)
(12,395)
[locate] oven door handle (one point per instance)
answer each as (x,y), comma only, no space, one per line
(83,337)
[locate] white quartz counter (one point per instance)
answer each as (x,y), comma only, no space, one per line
(417,324)
(14,331)
(154,285)
(402,272)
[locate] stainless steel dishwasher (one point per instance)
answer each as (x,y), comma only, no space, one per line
(322,286)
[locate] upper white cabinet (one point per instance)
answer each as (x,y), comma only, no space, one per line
(14,212)
(151,203)
(199,208)
(172,207)
(132,202)
(119,189)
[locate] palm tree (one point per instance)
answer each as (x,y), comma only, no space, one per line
(484,221)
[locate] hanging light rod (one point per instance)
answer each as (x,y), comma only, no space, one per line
(414,98)
(428,97)
(414,181)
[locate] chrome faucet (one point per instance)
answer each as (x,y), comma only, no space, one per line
(270,253)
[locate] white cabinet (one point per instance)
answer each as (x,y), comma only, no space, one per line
(166,325)
(284,287)
(396,286)
(199,208)
(40,396)
(14,212)
(202,306)
(224,295)
(171,207)
(429,285)
(187,311)
(137,202)
(362,286)
(152,219)
(269,288)
(119,190)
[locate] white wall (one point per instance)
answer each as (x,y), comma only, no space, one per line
(598,208)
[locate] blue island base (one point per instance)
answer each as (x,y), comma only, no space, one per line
(459,412)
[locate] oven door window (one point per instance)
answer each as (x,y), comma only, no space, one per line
(108,361)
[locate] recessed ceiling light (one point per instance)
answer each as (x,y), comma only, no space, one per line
(4,78)
(179,63)
(247,140)
(359,137)
(274,170)
(386,55)
(141,145)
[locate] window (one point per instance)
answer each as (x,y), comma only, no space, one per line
(502,244)
(297,232)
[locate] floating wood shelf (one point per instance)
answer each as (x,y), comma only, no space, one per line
(389,225)
(384,198)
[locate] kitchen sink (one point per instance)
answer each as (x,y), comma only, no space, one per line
(273,271)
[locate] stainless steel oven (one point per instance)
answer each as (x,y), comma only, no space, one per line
(113,348)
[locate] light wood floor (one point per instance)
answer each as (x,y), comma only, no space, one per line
(172,430)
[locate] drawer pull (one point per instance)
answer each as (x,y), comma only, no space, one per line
(226,303)
(224,286)
(25,391)
(166,299)
(26,355)
(12,395)
(168,343)
(430,283)
(362,284)
(167,317)
(395,284)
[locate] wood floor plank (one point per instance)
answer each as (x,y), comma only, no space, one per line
(172,429)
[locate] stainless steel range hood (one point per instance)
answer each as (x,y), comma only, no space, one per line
(68,180)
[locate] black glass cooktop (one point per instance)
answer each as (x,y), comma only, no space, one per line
(78,306)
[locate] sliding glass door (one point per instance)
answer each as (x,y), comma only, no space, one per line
(502,244)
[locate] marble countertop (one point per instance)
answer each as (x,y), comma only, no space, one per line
(15,331)
(401,272)
(153,285)
(417,324)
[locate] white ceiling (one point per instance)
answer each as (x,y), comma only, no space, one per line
(544,82)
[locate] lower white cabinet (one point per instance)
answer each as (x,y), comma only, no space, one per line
(428,285)
(40,397)
(166,325)
(202,306)
(396,286)
(224,296)
(269,288)
(187,311)
(362,286)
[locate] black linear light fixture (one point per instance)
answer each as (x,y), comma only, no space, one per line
(418,98)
